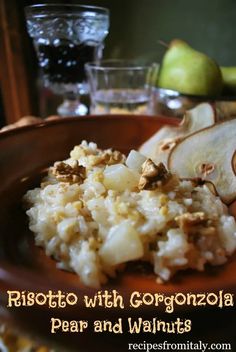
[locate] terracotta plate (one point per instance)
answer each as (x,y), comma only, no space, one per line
(24,153)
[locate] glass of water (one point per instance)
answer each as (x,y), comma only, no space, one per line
(119,87)
(65,37)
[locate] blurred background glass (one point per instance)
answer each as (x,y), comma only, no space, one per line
(65,38)
(118,87)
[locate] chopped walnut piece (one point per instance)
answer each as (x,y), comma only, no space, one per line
(153,176)
(187,220)
(74,173)
(109,157)
(113,157)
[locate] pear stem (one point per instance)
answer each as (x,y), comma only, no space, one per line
(163,43)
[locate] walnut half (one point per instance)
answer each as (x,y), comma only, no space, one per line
(153,176)
(64,172)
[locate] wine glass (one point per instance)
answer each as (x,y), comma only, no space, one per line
(65,37)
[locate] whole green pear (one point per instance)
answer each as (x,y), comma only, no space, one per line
(189,71)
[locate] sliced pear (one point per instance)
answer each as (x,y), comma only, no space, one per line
(203,115)
(210,155)
(158,147)
(234,163)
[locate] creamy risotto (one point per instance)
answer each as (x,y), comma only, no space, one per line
(98,210)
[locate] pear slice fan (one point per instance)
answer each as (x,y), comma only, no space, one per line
(159,146)
(211,155)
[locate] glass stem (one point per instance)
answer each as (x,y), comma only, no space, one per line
(72,106)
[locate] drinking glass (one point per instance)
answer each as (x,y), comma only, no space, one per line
(119,87)
(65,37)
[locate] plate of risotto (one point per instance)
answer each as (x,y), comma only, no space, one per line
(87,206)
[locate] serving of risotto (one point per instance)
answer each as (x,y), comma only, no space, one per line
(98,210)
